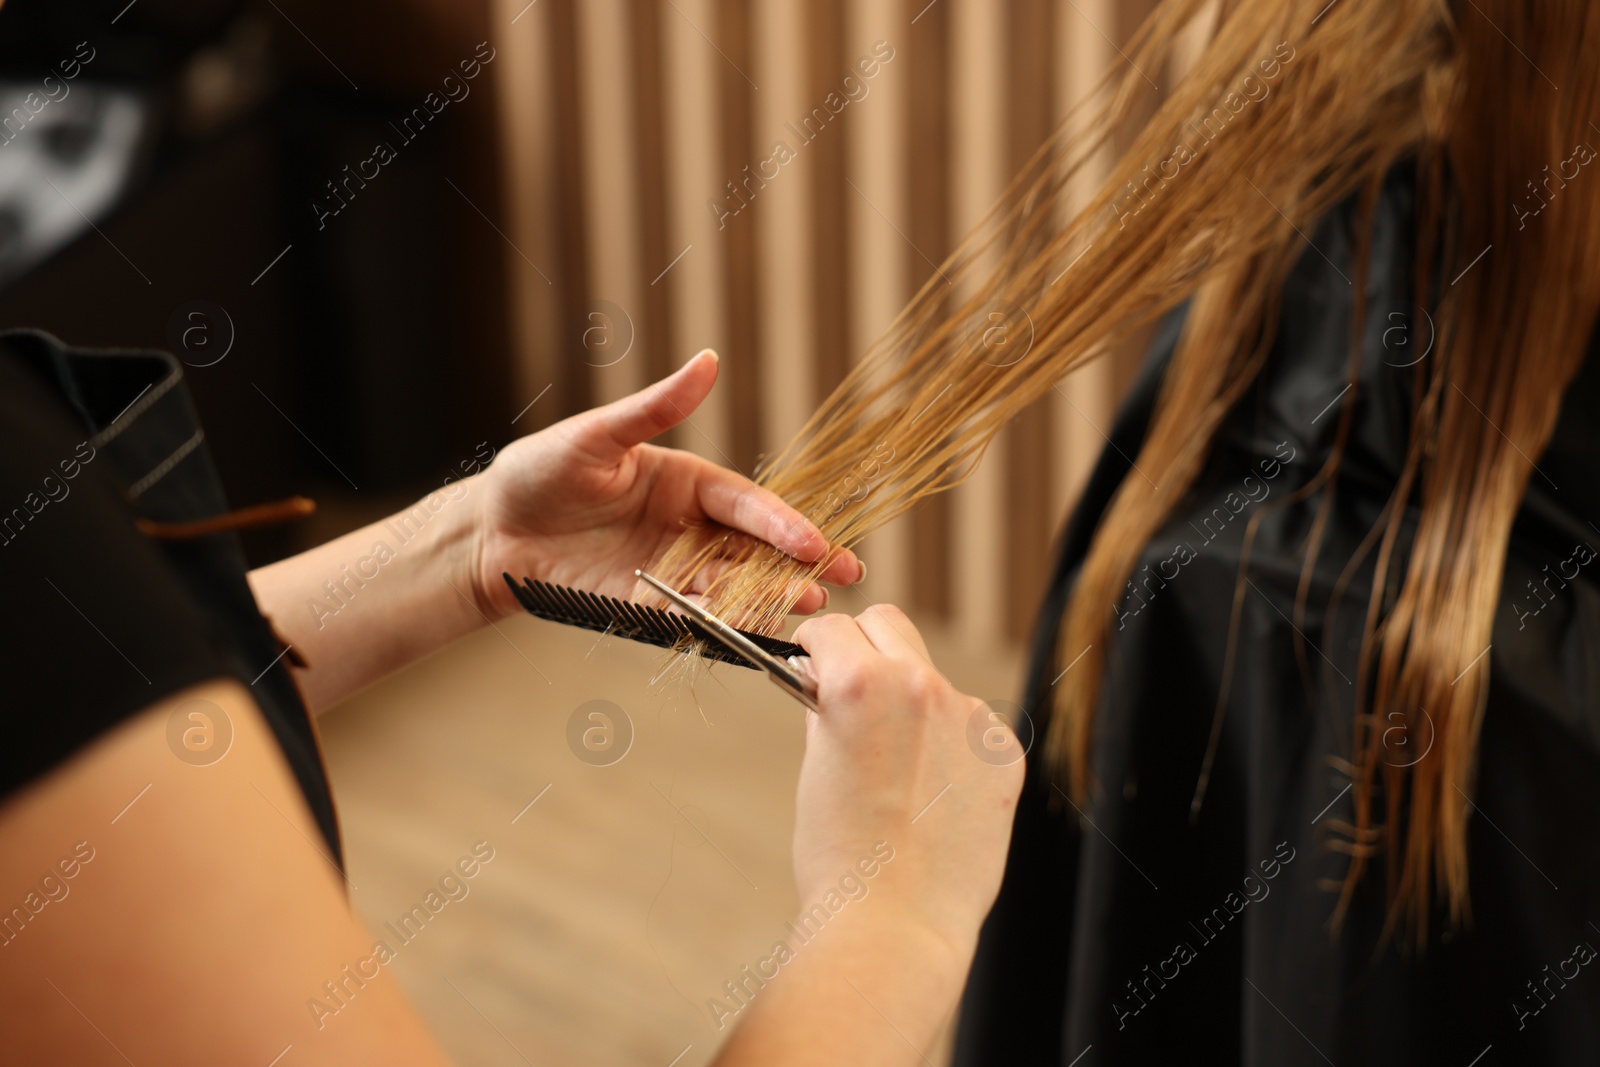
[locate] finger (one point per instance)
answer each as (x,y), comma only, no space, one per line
(653,410)
(809,596)
(737,502)
(833,642)
(813,600)
(843,568)
(892,633)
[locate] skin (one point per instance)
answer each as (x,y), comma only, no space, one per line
(210,911)
(582,503)
(879,982)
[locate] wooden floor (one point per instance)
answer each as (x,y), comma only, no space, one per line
(625,895)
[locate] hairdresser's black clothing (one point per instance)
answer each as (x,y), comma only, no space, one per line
(1082,947)
(104,620)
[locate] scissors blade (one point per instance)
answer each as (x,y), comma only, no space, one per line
(799,685)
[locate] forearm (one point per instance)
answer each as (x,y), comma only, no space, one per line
(370,602)
(863,990)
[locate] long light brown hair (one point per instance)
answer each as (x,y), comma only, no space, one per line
(1292,108)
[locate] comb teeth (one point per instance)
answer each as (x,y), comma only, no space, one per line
(636,622)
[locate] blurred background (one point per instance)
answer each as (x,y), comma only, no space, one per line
(379,235)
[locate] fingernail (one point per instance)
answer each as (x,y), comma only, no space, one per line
(863,576)
(712,353)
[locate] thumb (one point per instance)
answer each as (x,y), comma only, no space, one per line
(657,408)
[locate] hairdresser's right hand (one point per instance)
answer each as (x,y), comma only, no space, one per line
(888,760)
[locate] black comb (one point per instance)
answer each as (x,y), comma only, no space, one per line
(636,622)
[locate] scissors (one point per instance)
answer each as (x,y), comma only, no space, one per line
(793,676)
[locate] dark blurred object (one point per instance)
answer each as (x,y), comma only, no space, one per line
(144,41)
(169,199)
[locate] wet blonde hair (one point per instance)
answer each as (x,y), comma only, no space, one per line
(1353,89)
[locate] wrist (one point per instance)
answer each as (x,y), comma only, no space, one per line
(900,899)
(936,937)
(882,925)
(837,985)
(376,598)
(463,548)
(433,559)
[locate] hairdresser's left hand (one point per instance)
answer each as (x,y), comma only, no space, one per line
(585,502)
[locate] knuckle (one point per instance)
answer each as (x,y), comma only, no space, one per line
(924,685)
(813,629)
(888,613)
(851,683)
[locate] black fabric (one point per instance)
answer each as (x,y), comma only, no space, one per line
(105,621)
(1081,955)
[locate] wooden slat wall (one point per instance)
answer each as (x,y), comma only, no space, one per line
(742,362)
(1129,14)
(791,287)
(653,188)
(1029,443)
(928,196)
(788,314)
(829,159)
(573,388)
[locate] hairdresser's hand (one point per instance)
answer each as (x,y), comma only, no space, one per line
(586,501)
(888,759)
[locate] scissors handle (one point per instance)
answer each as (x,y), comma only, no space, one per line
(808,681)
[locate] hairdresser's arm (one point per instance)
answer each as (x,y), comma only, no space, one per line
(889,786)
(190,915)
(194,914)
(581,503)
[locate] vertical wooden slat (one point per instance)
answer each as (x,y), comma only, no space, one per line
(742,364)
(830,240)
(1129,15)
(927,129)
(652,190)
(879,214)
(1087,403)
(1029,120)
(611,351)
(785,221)
(1083,396)
(978,61)
(523,90)
(694,163)
(572,385)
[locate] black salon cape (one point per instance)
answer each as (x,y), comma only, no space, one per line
(1129,934)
